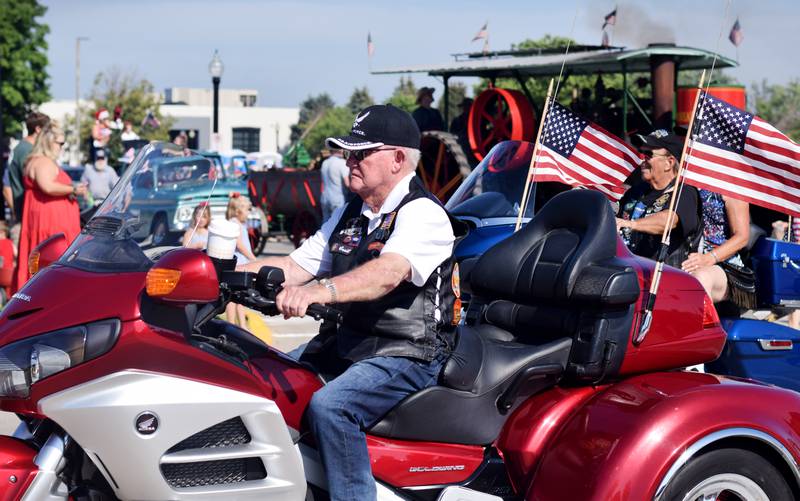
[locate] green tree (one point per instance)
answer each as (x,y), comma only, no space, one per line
(692,78)
(458,91)
(359,99)
(135,96)
(779,105)
(404,95)
(23,61)
(310,110)
(336,121)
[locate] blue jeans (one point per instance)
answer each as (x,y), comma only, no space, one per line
(340,411)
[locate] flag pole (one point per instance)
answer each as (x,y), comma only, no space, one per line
(647,317)
(534,158)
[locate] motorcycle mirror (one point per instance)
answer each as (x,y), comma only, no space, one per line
(47,252)
(182,277)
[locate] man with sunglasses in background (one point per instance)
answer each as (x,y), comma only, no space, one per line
(643,210)
(385,260)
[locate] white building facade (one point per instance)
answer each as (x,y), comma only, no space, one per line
(242,124)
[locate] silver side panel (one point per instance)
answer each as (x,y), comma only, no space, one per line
(100,416)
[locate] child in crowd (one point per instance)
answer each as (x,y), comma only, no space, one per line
(196,236)
(238,210)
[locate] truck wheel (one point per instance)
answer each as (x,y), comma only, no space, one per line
(159,230)
(730,474)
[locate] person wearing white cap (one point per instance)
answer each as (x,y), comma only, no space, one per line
(386,259)
(101,131)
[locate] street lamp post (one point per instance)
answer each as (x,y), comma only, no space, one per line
(215,69)
(77,147)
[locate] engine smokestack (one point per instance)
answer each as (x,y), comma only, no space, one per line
(662,79)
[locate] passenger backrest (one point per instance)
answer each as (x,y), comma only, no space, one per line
(560,277)
(543,260)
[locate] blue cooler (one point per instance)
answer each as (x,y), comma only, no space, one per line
(777,267)
(764,351)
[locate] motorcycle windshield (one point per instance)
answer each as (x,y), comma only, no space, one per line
(118,237)
(494,188)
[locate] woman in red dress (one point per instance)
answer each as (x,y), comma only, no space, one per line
(50,205)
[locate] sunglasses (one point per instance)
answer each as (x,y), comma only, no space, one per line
(360,155)
(647,155)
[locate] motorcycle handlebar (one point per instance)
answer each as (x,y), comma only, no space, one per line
(320,311)
(246,291)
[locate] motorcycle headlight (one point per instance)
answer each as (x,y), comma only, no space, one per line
(184,214)
(28,361)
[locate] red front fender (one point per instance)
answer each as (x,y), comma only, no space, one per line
(622,441)
(17,469)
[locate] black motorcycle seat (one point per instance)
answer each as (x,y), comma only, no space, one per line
(479,375)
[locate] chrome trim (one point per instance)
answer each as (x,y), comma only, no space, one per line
(720,435)
(492,221)
(766,347)
(22,432)
(459,493)
(47,486)
(51,453)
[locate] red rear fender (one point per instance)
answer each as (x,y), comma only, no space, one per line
(624,440)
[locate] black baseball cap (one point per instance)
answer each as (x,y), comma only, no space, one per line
(661,138)
(378,125)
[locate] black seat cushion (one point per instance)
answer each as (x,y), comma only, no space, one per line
(477,374)
(543,260)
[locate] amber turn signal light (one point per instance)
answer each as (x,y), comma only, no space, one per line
(161,281)
(33,262)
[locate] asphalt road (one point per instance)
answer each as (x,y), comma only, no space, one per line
(286,334)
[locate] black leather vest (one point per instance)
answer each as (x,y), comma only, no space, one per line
(409,321)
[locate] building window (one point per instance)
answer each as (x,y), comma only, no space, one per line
(246,138)
(248,101)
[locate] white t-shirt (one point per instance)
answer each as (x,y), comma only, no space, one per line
(422,234)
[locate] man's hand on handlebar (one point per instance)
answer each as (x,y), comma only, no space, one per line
(293,300)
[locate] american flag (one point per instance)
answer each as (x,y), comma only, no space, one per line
(610,19)
(370,45)
(150,120)
(735,153)
(577,152)
(736,36)
(483,34)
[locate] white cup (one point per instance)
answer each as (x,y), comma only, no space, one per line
(222,237)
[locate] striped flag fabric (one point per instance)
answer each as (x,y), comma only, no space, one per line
(370,45)
(735,153)
(736,36)
(483,34)
(580,153)
(610,19)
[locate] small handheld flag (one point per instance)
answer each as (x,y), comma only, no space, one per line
(736,36)
(610,19)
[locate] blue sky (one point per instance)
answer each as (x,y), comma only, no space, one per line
(288,50)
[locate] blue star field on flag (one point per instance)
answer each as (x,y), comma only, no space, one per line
(563,130)
(722,125)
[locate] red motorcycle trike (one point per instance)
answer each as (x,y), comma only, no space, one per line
(128,387)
